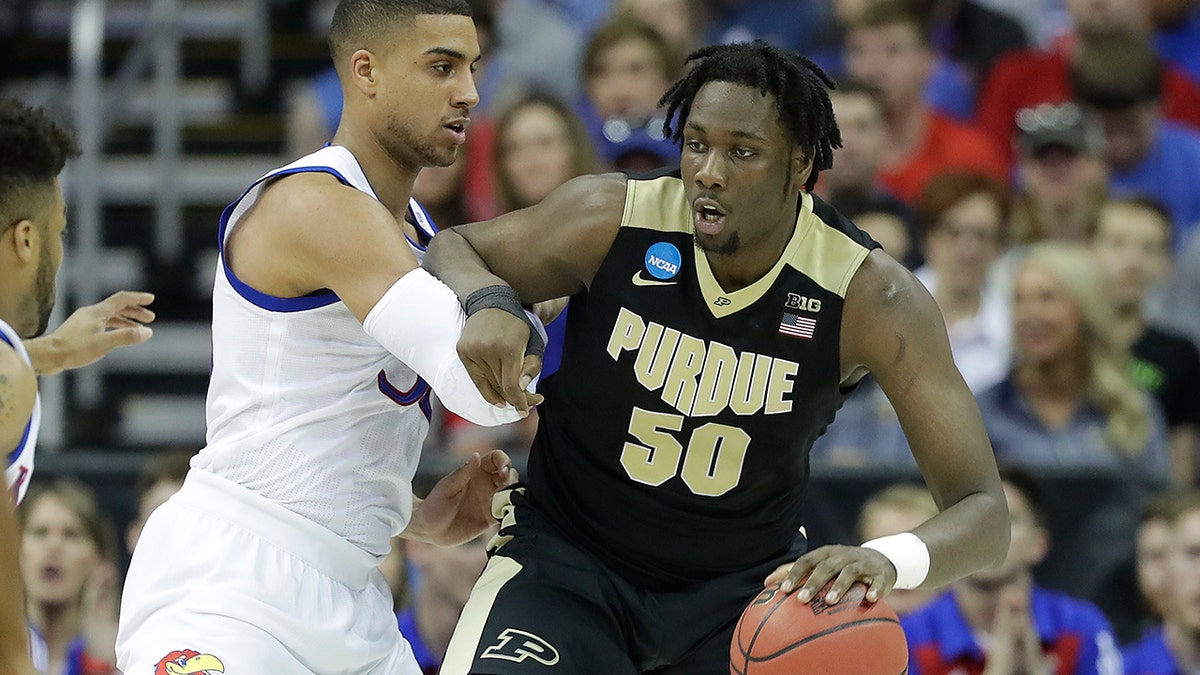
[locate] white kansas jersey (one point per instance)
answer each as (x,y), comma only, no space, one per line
(19,460)
(304,407)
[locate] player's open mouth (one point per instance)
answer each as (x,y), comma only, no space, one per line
(710,217)
(458,128)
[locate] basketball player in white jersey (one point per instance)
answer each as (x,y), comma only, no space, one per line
(327,337)
(33,151)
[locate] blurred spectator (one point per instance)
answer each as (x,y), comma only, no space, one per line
(888,47)
(888,221)
(860,114)
(1120,84)
(972,34)
(999,621)
(1043,20)
(865,433)
(898,508)
(540,144)
(784,23)
(673,19)
(1061,176)
(161,476)
(537,47)
(1175,649)
(1177,33)
(1070,400)
(1153,542)
(627,67)
(1026,79)
(1131,244)
(68,553)
(965,216)
(1180,310)
(949,89)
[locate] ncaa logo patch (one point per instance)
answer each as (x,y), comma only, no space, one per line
(663,260)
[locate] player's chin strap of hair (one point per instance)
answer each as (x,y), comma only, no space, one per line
(504,297)
(908,554)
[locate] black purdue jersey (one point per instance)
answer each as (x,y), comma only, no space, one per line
(673,441)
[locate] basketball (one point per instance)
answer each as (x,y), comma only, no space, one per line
(779,635)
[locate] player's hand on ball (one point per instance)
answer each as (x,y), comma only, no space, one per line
(842,564)
(492,348)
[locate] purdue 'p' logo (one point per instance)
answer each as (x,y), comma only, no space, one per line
(518,645)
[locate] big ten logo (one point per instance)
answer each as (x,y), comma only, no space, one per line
(517,645)
(803,303)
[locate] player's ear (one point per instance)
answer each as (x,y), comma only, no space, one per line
(801,166)
(22,239)
(362,72)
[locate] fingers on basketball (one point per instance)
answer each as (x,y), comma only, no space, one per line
(852,637)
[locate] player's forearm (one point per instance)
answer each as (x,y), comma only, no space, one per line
(452,259)
(47,354)
(969,536)
(420,321)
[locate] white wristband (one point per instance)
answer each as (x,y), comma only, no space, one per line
(908,554)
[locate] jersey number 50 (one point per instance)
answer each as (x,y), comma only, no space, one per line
(711,464)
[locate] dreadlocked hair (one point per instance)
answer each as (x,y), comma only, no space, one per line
(800,87)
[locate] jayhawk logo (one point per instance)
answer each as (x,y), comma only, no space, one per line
(188,662)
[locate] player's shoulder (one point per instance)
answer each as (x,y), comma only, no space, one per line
(593,191)
(18,386)
(312,195)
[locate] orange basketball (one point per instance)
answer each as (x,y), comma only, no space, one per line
(779,635)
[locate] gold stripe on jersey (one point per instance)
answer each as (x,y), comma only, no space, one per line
(658,204)
(468,639)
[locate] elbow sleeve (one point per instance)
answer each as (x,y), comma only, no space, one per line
(419,320)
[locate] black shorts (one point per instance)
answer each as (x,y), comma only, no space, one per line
(543,602)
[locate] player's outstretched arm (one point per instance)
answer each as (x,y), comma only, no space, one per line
(310,232)
(892,328)
(91,332)
(547,251)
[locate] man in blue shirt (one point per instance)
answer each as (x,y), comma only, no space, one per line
(1120,84)
(998,621)
(1175,648)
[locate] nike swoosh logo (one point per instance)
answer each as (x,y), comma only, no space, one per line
(639,280)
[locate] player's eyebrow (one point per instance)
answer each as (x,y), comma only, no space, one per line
(451,53)
(736,133)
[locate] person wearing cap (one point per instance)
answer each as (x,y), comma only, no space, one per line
(1028,78)
(1061,176)
(627,67)
(1121,85)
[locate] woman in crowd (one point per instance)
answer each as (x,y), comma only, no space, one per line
(964,216)
(68,548)
(540,144)
(1069,400)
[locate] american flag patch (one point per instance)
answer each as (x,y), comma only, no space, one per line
(797,326)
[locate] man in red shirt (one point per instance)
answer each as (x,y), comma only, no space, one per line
(888,46)
(1027,78)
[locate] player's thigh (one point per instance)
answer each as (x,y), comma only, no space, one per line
(525,618)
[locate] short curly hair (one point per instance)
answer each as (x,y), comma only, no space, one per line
(33,151)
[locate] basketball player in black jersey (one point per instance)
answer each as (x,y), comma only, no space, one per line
(718,316)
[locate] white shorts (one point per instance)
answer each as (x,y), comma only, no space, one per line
(224,580)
